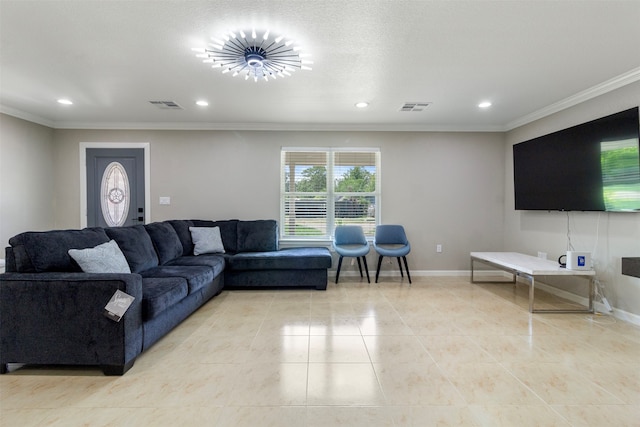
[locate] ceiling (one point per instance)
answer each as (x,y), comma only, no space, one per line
(529,58)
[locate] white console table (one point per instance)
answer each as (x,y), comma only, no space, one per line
(529,267)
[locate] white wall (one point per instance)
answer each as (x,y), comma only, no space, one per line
(610,236)
(444,188)
(26,178)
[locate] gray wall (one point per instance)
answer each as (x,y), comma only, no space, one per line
(26,178)
(610,236)
(445,188)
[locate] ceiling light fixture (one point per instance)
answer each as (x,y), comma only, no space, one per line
(484,104)
(202,103)
(362,104)
(257,57)
(65,101)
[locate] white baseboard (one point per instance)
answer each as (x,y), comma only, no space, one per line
(617,313)
(414,273)
(597,305)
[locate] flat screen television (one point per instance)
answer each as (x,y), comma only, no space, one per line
(594,166)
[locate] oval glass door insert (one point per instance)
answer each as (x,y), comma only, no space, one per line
(114,195)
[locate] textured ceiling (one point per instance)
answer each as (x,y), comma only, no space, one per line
(112,57)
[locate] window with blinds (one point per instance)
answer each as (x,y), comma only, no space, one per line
(324,187)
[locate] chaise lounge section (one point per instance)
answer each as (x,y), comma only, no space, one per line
(52,312)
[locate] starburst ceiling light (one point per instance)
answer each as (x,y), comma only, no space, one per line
(253,56)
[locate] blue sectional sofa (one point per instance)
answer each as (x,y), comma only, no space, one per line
(52,311)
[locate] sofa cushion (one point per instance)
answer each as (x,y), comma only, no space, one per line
(206,240)
(228,232)
(181,226)
(196,276)
(159,293)
(40,251)
(104,258)
(165,241)
(285,259)
(257,236)
(216,262)
(136,246)
(264,279)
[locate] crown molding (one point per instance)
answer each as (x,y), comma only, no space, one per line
(315,127)
(26,116)
(298,127)
(617,82)
(580,97)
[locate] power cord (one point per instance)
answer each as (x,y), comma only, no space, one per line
(569,244)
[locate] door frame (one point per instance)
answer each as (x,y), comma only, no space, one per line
(83,175)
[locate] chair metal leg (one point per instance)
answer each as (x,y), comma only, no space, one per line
(400,266)
(359,266)
(364,259)
(339,265)
(378,269)
(406,266)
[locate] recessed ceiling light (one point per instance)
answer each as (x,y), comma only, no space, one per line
(484,104)
(362,104)
(65,101)
(202,103)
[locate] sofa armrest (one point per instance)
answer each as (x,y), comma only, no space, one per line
(58,318)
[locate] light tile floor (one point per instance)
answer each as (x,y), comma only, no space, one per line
(439,352)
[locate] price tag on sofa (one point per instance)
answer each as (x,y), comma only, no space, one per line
(118,305)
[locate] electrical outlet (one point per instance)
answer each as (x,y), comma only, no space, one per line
(542,255)
(439,248)
(164,200)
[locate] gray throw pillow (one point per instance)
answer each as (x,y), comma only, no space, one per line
(104,258)
(206,240)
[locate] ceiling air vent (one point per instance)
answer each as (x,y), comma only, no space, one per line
(166,105)
(414,106)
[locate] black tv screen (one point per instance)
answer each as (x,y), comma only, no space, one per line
(594,166)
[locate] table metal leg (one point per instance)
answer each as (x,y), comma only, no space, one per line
(532,289)
(561,310)
(532,285)
(473,280)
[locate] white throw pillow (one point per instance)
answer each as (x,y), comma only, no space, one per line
(206,240)
(104,258)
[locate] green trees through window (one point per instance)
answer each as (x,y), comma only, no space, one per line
(322,189)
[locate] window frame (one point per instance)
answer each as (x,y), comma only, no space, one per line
(331,194)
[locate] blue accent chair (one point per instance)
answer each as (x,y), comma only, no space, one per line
(349,241)
(391,241)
